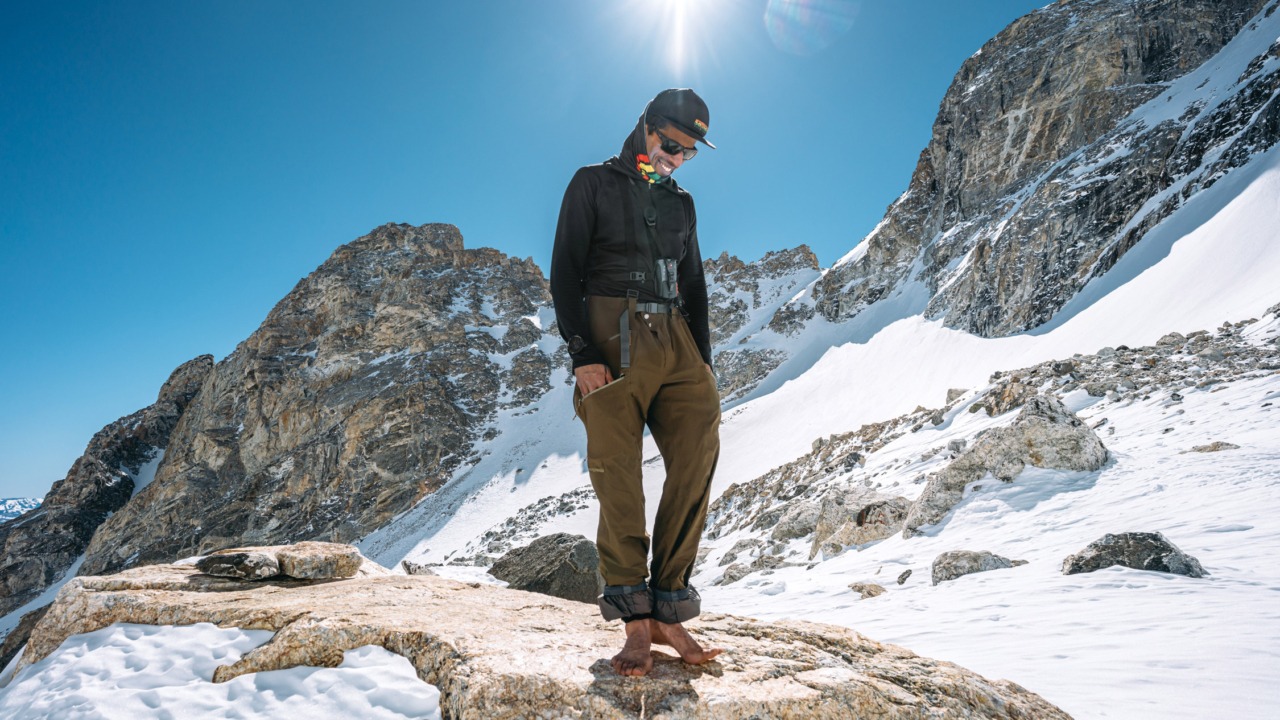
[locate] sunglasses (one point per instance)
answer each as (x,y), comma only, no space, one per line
(671,147)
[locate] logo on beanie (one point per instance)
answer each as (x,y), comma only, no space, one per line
(701,125)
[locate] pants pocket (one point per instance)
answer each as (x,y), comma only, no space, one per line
(582,402)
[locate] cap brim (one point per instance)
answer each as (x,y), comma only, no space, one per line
(691,133)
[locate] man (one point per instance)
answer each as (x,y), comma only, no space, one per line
(631,302)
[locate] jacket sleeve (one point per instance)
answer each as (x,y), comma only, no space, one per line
(569,268)
(693,289)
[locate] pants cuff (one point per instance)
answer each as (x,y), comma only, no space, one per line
(625,602)
(676,606)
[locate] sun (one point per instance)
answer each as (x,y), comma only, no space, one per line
(678,28)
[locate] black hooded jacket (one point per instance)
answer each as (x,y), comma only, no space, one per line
(594,254)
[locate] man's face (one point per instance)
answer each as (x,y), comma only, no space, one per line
(664,163)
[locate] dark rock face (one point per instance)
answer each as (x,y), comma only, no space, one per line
(18,637)
(561,565)
(1137,550)
(41,545)
(958,563)
(1037,176)
(364,389)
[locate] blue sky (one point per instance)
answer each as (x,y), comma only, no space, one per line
(169,170)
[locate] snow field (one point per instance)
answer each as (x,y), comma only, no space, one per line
(126,671)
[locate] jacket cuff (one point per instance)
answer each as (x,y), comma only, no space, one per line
(588,355)
(625,602)
(676,606)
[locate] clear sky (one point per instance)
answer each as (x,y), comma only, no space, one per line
(169,170)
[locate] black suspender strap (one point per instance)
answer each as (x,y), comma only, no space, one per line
(629,226)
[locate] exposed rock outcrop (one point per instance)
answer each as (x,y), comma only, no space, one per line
(499,653)
(1137,550)
(1045,434)
(364,389)
(41,545)
(857,517)
(560,565)
(958,563)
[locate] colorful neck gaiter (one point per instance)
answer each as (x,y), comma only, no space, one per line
(642,164)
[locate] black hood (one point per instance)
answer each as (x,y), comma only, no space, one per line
(625,160)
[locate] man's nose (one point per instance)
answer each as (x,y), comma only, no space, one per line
(676,160)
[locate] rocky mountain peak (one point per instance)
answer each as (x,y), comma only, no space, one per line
(1041,162)
(364,389)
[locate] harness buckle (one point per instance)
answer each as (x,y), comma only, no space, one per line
(637,276)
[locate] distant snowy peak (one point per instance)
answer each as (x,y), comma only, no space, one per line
(11,508)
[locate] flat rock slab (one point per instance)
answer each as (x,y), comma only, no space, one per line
(308,560)
(499,653)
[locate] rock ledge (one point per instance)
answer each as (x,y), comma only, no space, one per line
(500,653)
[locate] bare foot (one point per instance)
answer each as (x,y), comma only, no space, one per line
(634,658)
(674,635)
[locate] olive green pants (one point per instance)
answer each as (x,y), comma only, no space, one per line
(669,389)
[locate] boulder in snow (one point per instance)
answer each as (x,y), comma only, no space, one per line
(797,521)
(747,545)
(1137,550)
(560,565)
(867,589)
(956,563)
(1005,397)
(734,573)
(855,516)
(1045,434)
(1215,446)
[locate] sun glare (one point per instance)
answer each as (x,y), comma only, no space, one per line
(676,23)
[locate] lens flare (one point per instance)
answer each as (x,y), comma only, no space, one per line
(806,27)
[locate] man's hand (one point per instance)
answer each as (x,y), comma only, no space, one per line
(592,377)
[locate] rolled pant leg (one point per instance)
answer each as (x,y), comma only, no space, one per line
(684,418)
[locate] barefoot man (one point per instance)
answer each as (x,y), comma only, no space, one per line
(631,302)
